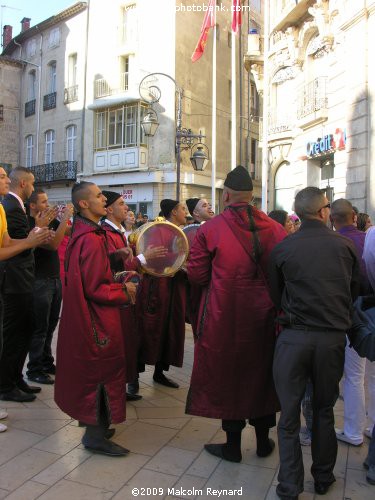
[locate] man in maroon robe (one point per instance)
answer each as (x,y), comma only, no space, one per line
(162,303)
(90,366)
(232,371)
(121,259)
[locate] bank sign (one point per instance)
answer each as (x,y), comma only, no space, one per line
(327,144)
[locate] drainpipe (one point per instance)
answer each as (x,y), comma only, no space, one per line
(84,89)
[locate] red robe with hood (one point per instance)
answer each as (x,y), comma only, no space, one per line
(116,240)
(233,354)
(90,358)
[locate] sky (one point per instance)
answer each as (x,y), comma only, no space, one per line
(12,11)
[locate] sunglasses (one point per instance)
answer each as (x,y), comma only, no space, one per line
(325,206)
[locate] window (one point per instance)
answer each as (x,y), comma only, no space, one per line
(124,72)
(71,139)
(72,70)
(1,112)
(52,77)
(129,24)
(31,48)
(54,38)
(29,150)
(119,128)
(100,127)
(49,150)
(31,91)
(284,193)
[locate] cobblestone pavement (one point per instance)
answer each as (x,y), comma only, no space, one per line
(41,455)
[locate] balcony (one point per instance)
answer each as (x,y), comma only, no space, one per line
(53,172)
(103,89)
(312,103)
(280,123)
(289,14)
(30,108)
(49,101)
(71,94)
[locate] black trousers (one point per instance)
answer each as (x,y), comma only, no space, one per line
(300,355)
(17,329)
(260,423)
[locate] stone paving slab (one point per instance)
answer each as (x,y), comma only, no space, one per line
(41,455)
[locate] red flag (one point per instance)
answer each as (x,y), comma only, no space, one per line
(208,22)
(236,15)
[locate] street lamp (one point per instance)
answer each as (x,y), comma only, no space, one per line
(185,139)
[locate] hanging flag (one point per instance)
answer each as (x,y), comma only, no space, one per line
(208,22)
(236,15)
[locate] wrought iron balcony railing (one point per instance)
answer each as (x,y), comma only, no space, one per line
(312,97)
(30,108)
(49,101)
(57,171)
(102,88)
(71,94)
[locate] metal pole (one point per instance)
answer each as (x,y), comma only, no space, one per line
(178,142)
(265,109)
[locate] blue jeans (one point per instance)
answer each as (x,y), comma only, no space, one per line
(46,303)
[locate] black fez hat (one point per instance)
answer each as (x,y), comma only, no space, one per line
(239,179)
(167,206)
(191,203)
(111,196)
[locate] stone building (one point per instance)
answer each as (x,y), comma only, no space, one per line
(82,110)
(319,79)
(10,78)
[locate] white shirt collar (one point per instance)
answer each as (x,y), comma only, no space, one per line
(110,223)
(19,199)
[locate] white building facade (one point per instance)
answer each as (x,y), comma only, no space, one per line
(320,97)
(82,110)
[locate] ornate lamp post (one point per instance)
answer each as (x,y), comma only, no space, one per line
(185,139)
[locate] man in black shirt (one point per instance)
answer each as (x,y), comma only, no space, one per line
(314,277)
(47,292)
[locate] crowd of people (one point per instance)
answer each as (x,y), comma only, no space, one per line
(269,298)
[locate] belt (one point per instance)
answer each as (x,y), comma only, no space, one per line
(294,326)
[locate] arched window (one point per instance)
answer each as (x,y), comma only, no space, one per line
(49,148)
(29,145)
(284,193)
(71,140)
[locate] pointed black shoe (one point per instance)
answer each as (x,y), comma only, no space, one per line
(266,449)
(29,389)
(133,397)
(104,447)
(321,488)
(161,379)
(222,451)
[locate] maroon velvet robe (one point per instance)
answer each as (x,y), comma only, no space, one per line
(232,371)
(116,240)
(90,347)
(161,315)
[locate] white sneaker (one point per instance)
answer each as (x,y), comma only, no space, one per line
(3,428)
(341,436)
(368,432)
(3,414)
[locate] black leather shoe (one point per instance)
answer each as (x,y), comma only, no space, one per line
(51,370)
(41,378)
(285,497)
(133,388)
(17,396)
(161,379)
(322,488)
(104,447)
(222,451)
(29,389)
(133,397)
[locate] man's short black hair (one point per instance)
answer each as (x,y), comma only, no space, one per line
(342,211)
(34,195)
(308,202)
(79,192)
